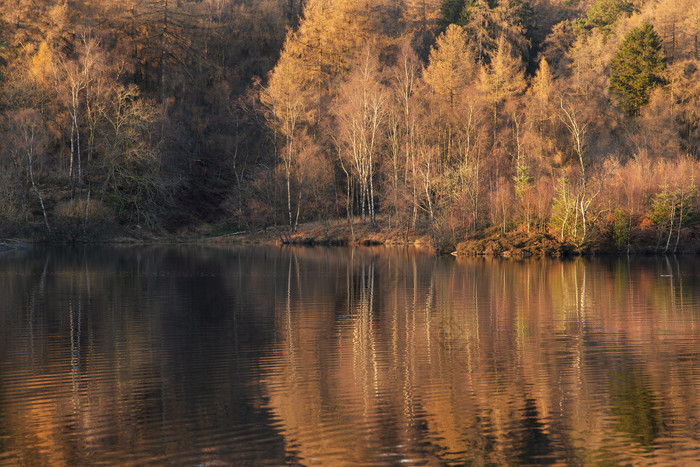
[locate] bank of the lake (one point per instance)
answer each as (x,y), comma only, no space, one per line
(333,232)
(494,242)
(515,243)
(521,244)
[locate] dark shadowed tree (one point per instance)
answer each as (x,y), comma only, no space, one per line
(451,13)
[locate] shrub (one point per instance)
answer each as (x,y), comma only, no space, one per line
(621,230)
(83,220)
(674,209)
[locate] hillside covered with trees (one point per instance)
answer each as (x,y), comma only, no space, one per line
(580,118)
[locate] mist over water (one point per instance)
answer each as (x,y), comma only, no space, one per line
(345,356)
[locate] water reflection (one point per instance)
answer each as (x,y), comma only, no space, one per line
(484,361)
(129,356)
(345,356)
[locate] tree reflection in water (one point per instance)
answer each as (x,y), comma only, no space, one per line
(344,356)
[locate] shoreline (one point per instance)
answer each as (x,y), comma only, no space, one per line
(490,242)
(520,244)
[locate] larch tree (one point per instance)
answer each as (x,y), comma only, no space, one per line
(288,97)
(480,23)
(332,34)
(487,20)
(451,66)
(540,99)
(515,20)
(315,60)
(678,24)
(501,79)
(451,69)
(684,89)
(329,38)
(556,46)
(421,19)
(160,37)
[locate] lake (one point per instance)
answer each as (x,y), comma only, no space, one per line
(345,356)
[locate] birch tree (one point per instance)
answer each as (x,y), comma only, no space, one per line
(289,98)
(361,113)
(28,145)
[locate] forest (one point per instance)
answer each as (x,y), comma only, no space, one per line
(148,118)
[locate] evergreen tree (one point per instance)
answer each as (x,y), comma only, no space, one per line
(602,15)
(451,13)
(637,68)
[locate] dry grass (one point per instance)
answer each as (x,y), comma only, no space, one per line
(337,232)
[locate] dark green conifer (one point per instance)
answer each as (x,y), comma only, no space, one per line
(602,15)
(637,68)
(451,13)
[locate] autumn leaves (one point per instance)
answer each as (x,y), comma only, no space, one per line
(466,138)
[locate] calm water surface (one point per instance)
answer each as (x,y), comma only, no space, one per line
(254,356)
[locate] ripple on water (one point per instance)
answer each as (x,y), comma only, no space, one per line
(346,357)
